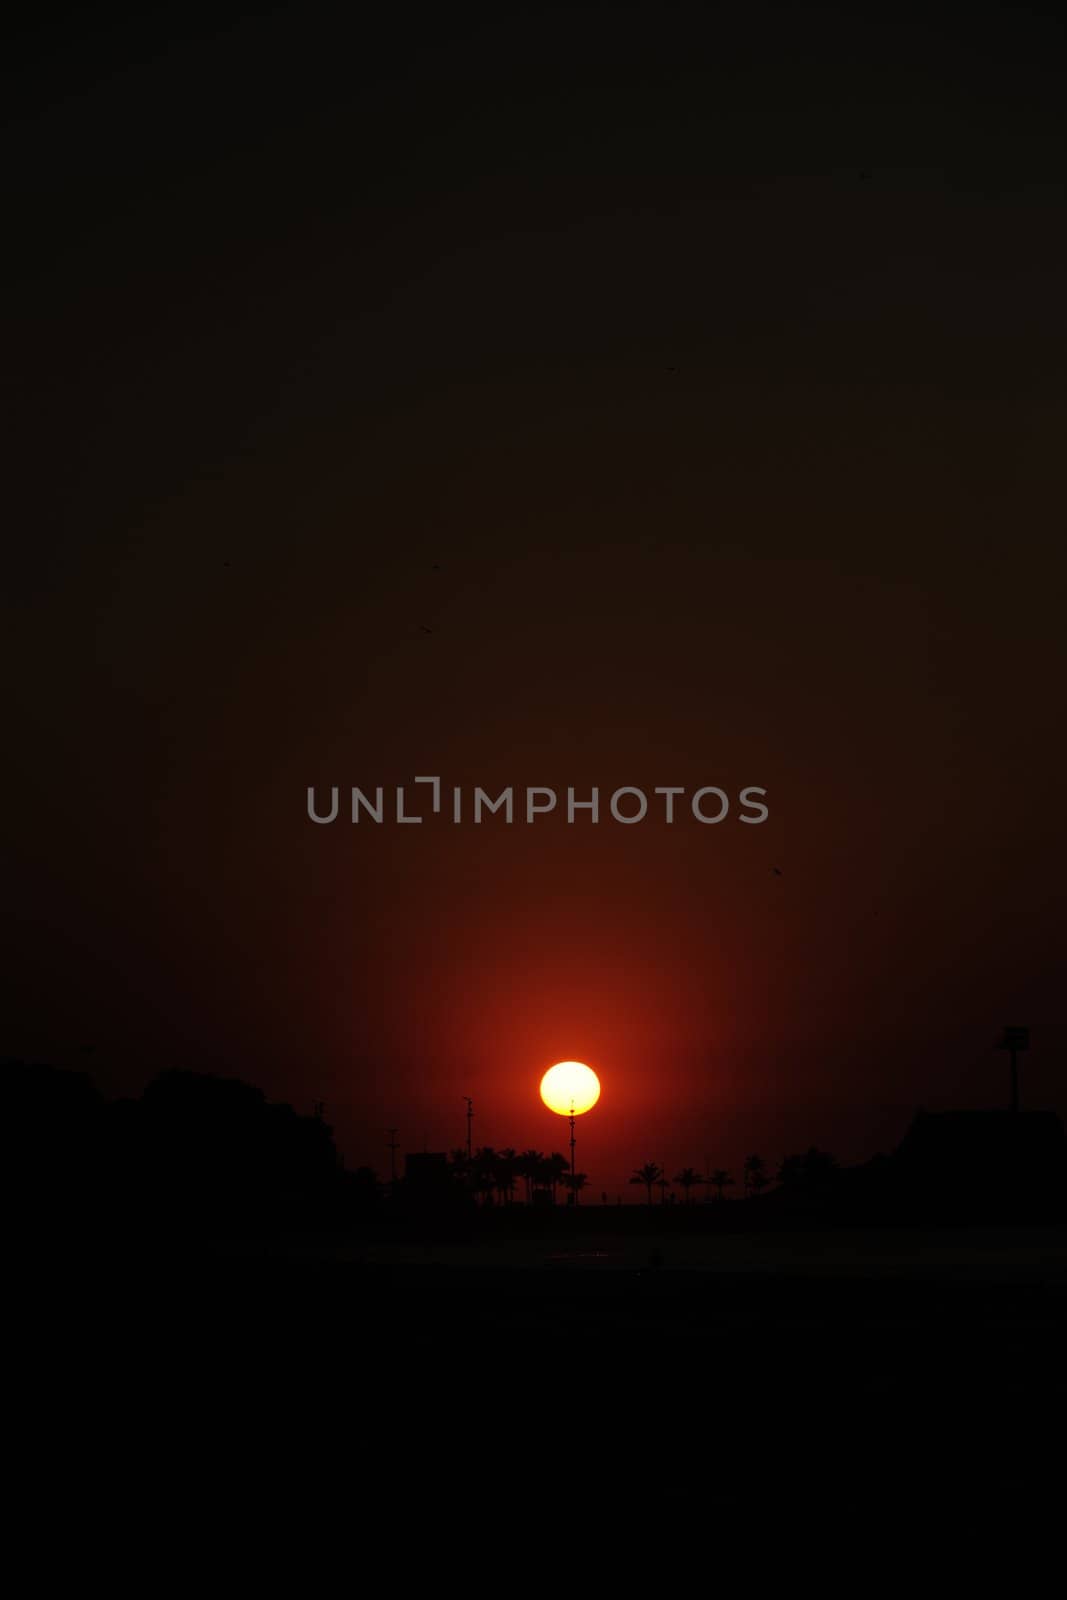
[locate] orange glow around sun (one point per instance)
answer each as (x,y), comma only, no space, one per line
(570,1086)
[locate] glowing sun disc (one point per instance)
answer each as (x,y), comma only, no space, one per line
(570,1086)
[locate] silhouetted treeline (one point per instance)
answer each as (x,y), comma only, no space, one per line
(200,1155)
(196,1154)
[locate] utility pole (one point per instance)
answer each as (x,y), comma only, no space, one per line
(574,1170)
(470,1119)
(392,1132)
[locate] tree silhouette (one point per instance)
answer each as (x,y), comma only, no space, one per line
(649,1174)
(686,1179)
(483,1173)
(543,1175)
(575,1182)
(528,1167)
(720,1179)
(214,1151)
(755,1174)
(558,1167)
(506,1166)
(459,1167)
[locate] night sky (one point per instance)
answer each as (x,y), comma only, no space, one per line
(540,396)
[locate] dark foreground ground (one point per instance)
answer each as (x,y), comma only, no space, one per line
(910,1373)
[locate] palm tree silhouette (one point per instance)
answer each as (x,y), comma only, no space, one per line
(506,1163)
(720,1179)
(543,1174)
(686,1179)
(528,1166)
(558,1167)
(755,1174)
(483,1175)
(648,1175)
(576,1182)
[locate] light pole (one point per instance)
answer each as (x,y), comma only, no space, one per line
(470,1119)
(574,1170)
(570,1089)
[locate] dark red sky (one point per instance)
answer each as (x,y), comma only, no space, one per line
(718,368)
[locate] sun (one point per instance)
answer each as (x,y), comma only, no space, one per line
(570,1087)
